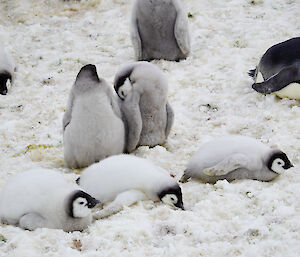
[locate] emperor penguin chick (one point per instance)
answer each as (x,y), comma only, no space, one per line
(92,124)
(126,179)
(148,116)
(6,70)
(236,157)
(42,198)
(159,30)
(278,71)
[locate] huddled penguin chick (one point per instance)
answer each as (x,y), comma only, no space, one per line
(125,179)
(147,114)
(278,71)
(159,30)
(92,124)
(6,71)
(42,198)
(236,157)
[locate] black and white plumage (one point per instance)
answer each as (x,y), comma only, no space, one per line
(148,116)
(43,198)
(278,71)
(125,179)
(236,157)
(6,70)
(159,30)
(92,124)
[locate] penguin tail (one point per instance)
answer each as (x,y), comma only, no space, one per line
(77,181)
(252,73)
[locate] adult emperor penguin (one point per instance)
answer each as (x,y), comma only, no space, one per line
(159,30)
(147,113)
(236,157)
(278,71)
(92,124)
(42,198)
(125,179)
(6,70)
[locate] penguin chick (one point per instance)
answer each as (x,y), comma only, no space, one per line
(6,71)
(126,179)
(42,198)
(278,71)
(159,30)
(92,124)
(143,89)
(236,157)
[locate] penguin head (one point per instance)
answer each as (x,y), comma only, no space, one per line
(4,77)
(123,83)
(87,78)
(80,204)
(172,196)
(278,162)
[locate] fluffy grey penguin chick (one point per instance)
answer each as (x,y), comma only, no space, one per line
(159,30)
(42,198)
(125,179)
(92,124)
(236,157)
(148,116)
(6,70)
(278,71)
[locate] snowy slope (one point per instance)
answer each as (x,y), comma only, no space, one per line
(211,94)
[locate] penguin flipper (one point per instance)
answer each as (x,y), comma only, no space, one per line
(181,30)
(227,165)
(131,111)
(68,114)
(280,80)
(32,221)
(126,198)
(170,119)
(135,35)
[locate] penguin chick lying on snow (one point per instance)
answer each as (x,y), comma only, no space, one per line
(6,70)
(159,30)
(92,124)
(148,116)
(42,198)
(236,157)
(126,179)
(278,71)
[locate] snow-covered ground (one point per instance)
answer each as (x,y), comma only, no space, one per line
(211,94)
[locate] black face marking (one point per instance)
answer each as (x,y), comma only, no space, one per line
(283,157)
(121,79)
(176,190)
(76,194)
(89,71)
(4,77)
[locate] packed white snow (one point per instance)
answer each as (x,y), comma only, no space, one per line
(211,94)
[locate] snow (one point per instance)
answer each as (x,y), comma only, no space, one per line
(211,95)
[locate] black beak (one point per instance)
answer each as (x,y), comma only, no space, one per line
(92,203)
(179,205)
(4,92)
(289,165)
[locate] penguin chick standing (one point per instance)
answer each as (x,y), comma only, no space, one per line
(147,113)
(159,30)
(41,198)
(278,71)
(236,157)
(92,124)
(126,179)
(6,71)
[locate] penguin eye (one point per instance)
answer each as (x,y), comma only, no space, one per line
(81,203)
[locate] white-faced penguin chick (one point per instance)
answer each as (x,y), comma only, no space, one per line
(278,71)
(6,71)
(147,114)
(92,124)
(42,198)
(125,179)
(236,157)
(159,30)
